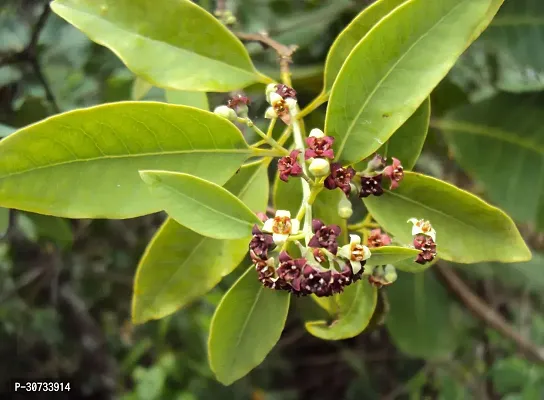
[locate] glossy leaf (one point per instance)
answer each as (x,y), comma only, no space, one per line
(414,48)
(55,229)
(185,48)
(356,306)
(140,88)
(421,322)
(511,169)
(351,35)
(200,205)
(193,99)
(180,265)
(84,163)
(407,142)
(245,327)
(468,229)
(391,255)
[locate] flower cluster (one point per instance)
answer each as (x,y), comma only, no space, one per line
(372,177)
(378,239)
(424,240)
(323,269)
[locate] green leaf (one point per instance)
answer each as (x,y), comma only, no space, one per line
(245,327)
(84,163)
(411,49)
(468,229)
(180,265)
(355,308)
(421,320)
(412,266)
(407,142)
(4,221)
(390,255)
(55,229)
(140,88)
(351,35)
(511,169)
(170,43)
(193,99)
(200,205)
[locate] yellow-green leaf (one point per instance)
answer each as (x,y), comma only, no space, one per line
(390,255)
(170,43)
(245,327)
(84,163)
(200,205)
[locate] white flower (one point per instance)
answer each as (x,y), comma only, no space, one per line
(422,227)
(318,133)
(270,88)
(270,113)
(281,226)
(355,252)
(274,98)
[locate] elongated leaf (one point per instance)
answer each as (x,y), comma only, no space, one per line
(421,320)
(391,255)
(180,265)
(170,43)
(193,99)
(140,88)
(351,35)
(200,205)
(55,229)
(468,229)
(407,142)
(356,306)
(511,168)
(84,163)
(245,327)
(412,266)
(415,49)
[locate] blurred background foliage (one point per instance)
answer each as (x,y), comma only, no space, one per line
(65,285)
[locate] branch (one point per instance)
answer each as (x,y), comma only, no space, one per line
(285,53)
(482,311)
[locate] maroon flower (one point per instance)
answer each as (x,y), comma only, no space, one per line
(340,178)
(289,166)
(319,147)
(290,269)
(371,185)
(286,91)
(427,246)
(237,100)
(395,172)
(262,216)
(260,244)
(324,236)
(378,239)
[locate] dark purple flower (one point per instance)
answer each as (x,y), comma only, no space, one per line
(289,166)
(395,172)
(290,269)
(427,246)
(340,178)
(319,147)
(286,91)
(371,185)
(378,239)
(325,236)
(260,243)
(237,100)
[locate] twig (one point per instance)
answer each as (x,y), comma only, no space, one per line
(486,314)
(285,53)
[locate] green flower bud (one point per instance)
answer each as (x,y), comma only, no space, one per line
(226,112)
(320,167)
(390,273)
(344,208)
(270,88)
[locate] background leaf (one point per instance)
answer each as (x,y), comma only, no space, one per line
(511,169)
(200,205)
(468,229)
(246,325)
(84,163)
(193,99)
(416,49)
(184,48)
(355,308)
(390,255)
(420,320)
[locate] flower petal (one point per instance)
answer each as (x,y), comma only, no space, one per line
(279,238)
(283,213)
(354,239)
(345,251)
(356,266)
(268,225)
(295,226)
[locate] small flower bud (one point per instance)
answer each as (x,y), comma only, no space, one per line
(270,113)
(270,88)
(225,112)
(319,167)
(345,209)
(317,133)
(390,273)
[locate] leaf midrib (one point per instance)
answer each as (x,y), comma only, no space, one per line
(494,133)
(113,157)
(386,76)
(181,49)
